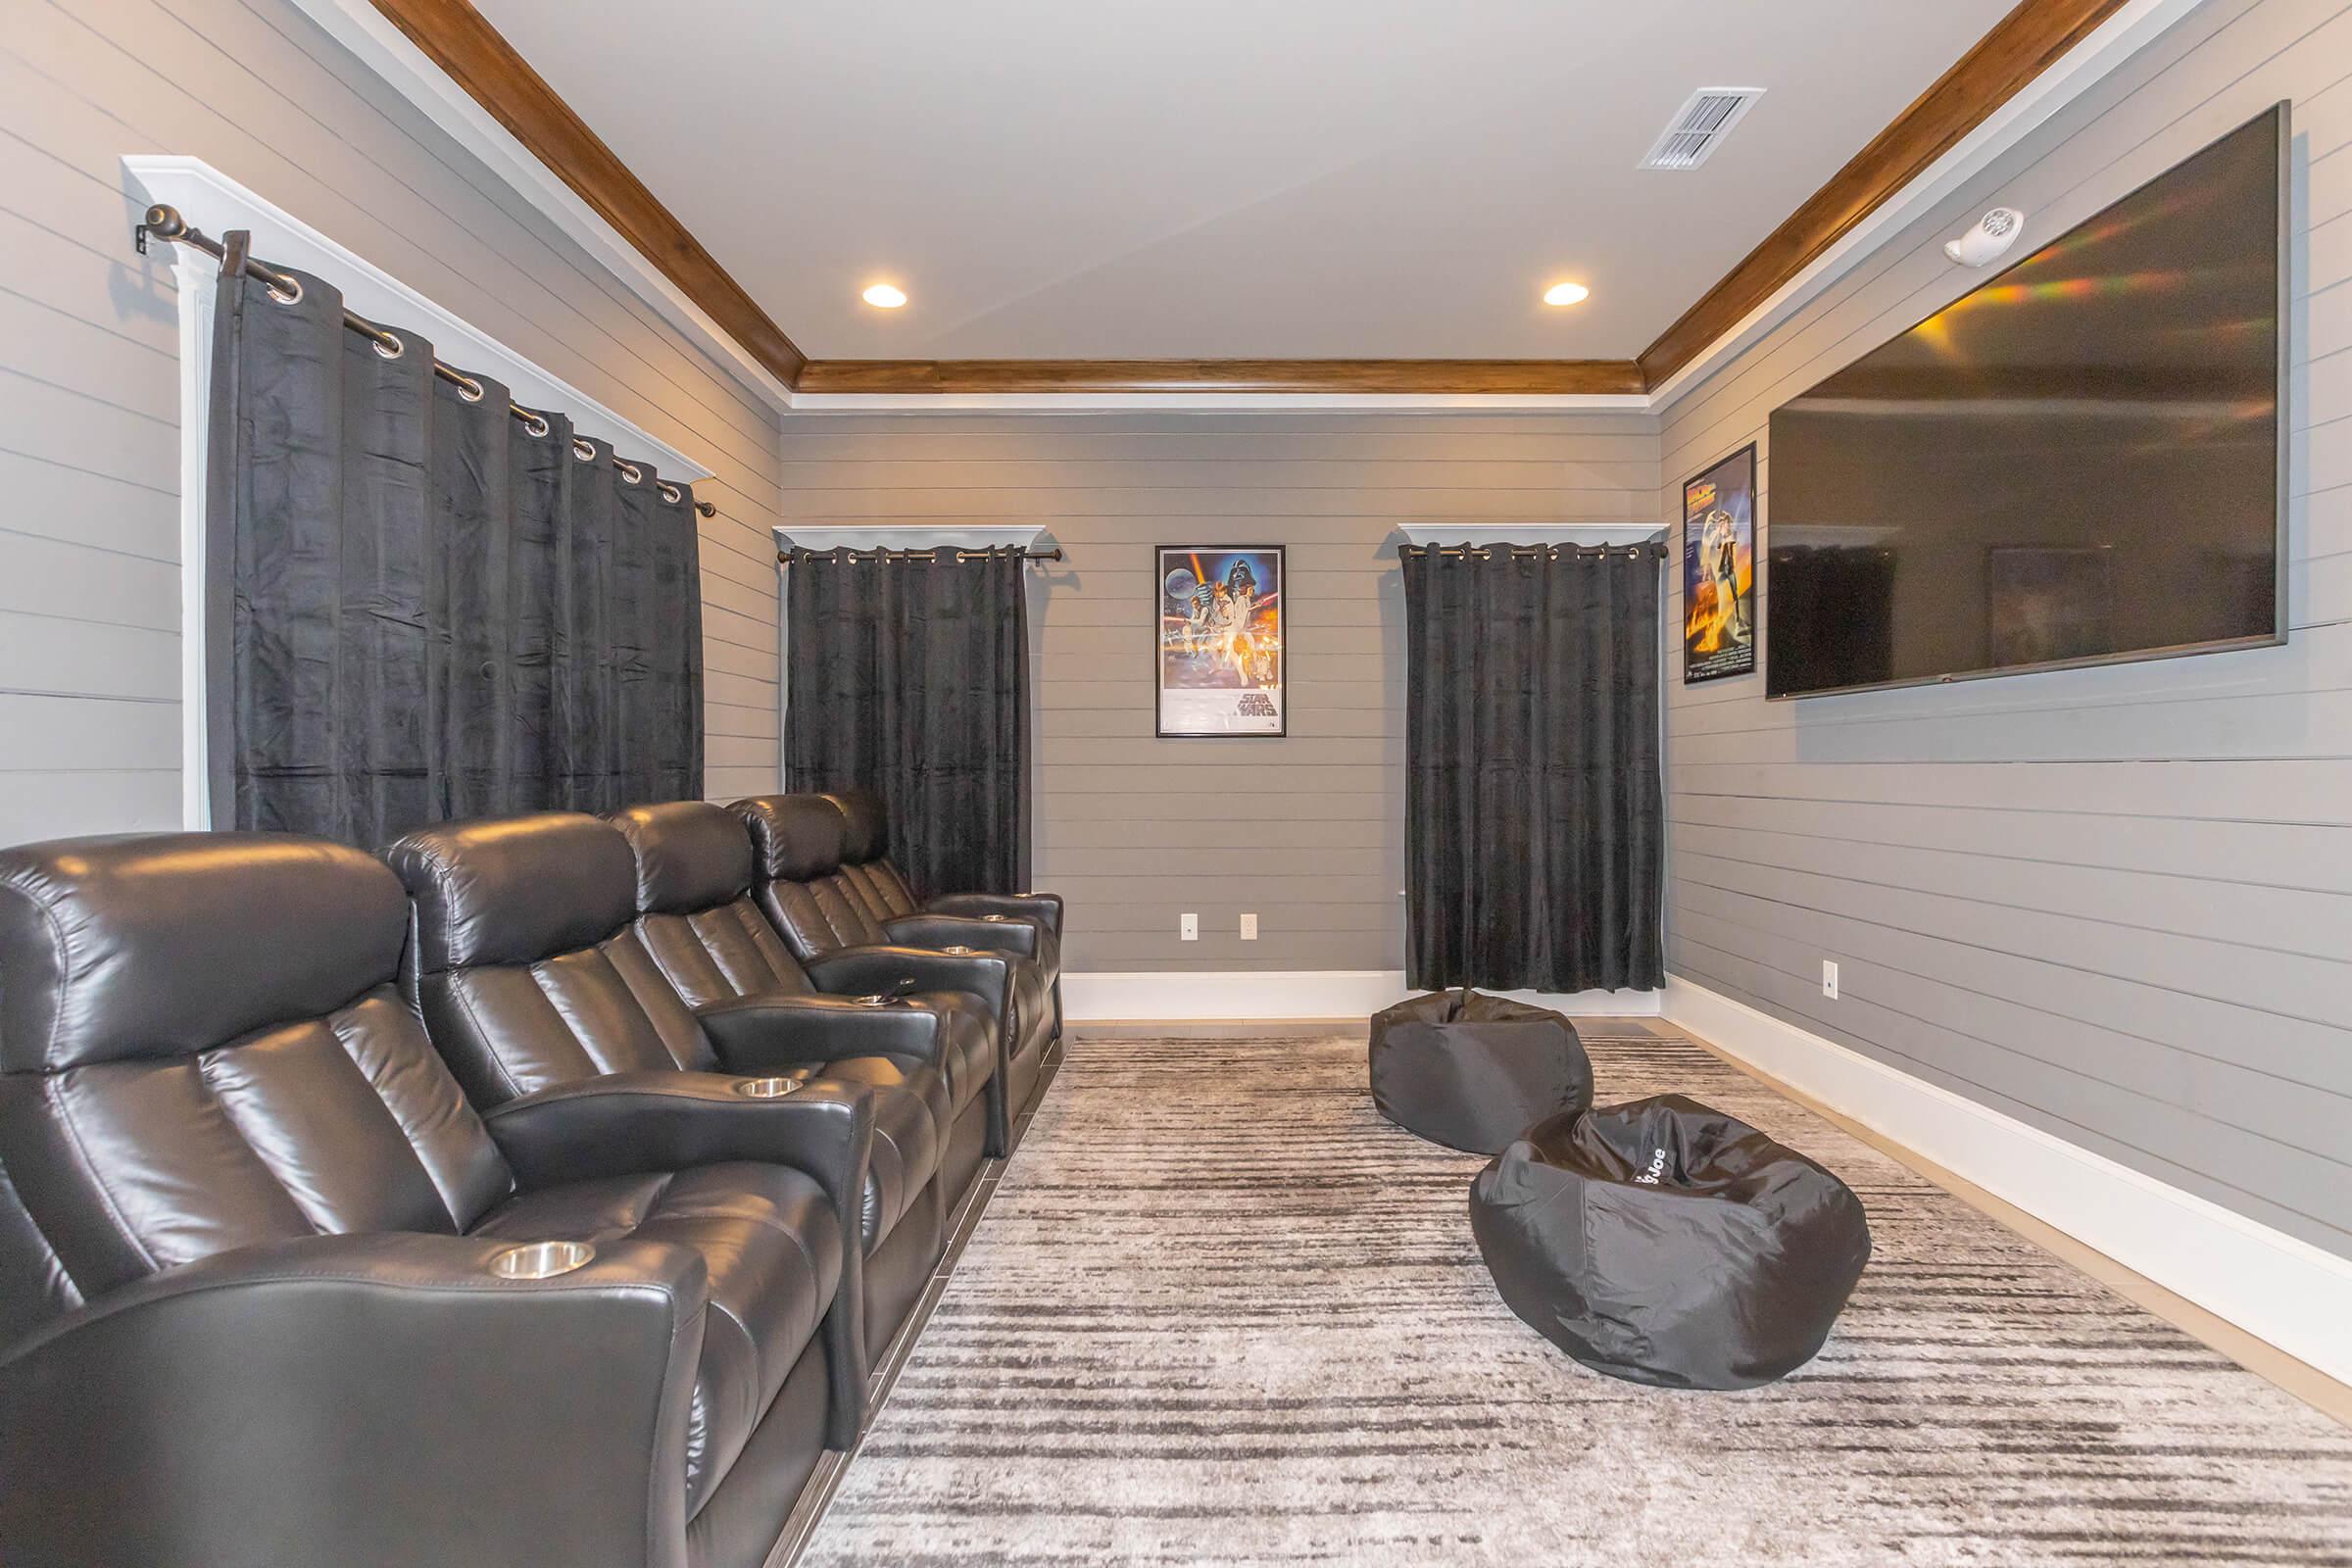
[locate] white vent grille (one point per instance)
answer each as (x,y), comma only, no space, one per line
(1693,135)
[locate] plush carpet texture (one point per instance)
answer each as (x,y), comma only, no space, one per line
(1221,1312)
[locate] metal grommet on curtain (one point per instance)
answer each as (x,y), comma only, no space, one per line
(630,473)
(538,426)
(583,450)
(397,349)
(670,492)
(469,388)
(283,296)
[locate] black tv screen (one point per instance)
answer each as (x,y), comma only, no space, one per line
(2080,461)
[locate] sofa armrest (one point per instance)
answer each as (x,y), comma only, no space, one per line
(1016,937)
(374,1400)
(755,1035)
(896,970)
(625,1123)
(1043,907)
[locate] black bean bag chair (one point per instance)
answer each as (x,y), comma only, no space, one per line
(1665,1242)
(1473,1072)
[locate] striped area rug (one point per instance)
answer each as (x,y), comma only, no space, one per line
(1221,1312)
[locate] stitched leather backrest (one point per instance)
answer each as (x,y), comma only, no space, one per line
(526,965)
(695,914)
(796,875)
(205,1050)
(866,863)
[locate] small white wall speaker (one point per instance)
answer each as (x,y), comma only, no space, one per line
(1993,234)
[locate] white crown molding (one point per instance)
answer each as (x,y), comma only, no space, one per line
(384,49)
(2276,1287)
(362,29)
(215,203)
(908,536)
(1199,996)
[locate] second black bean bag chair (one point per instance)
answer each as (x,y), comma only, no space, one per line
(1666,1242)
(1473,1072)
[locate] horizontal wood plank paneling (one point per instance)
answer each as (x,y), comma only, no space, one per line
(89,418)
(1308,831)
(2116,903)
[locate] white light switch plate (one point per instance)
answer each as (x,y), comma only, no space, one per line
(1249,929)
(1829,978)
(1188,927)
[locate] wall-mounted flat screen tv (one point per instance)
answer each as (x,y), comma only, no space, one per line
(2082,461)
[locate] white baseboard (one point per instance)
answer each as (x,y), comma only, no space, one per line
(1246,994)
(2276,1287)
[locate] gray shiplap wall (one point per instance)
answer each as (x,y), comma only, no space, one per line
(2113,903)
(1306,831)
(90,541)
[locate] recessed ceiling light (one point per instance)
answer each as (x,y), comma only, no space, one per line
(885,296)
(1567,294)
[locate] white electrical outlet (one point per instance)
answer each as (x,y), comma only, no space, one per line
(1249,929)
(1188,927)
(1829,978)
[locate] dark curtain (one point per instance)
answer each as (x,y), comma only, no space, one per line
(421,608)
(1533,824)
(910,677)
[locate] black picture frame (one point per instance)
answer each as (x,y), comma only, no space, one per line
(1727,642)
(1190,641)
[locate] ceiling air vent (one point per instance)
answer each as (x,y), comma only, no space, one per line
(1693,135)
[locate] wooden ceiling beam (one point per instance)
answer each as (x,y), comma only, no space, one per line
(2021,47)
(1554,378)
(478,58)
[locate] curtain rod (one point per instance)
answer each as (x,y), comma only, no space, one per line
(165,223)
(1656,547)
(784,557)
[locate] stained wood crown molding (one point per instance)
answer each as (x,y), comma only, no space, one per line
(2024,44)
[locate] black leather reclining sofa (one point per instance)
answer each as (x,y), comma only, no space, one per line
(288,1161)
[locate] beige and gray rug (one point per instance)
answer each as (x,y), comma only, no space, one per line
(1221,1312)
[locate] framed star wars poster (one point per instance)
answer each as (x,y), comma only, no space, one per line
(1217,654)
(1719,569)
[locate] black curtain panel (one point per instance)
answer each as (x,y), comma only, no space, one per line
(421,606)
(908,674)
(1534,822)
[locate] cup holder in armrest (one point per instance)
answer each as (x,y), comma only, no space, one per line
(767,1088)
(961,953)
(541,1260)
(875,1000)
(999,919)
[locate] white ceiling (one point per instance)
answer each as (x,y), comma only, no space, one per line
(1149,178)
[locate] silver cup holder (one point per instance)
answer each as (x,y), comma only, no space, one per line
(876,1000)
(765,1088)
(961,953)
(999,919)
(541,1260)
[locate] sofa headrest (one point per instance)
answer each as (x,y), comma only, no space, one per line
(515,889)
(869,836)
(795,838)
(164,944)
(691,855)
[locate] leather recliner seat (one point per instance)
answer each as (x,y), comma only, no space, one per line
(867,864)
(528,966)
(803,890)
(695,917)
(250,1231)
